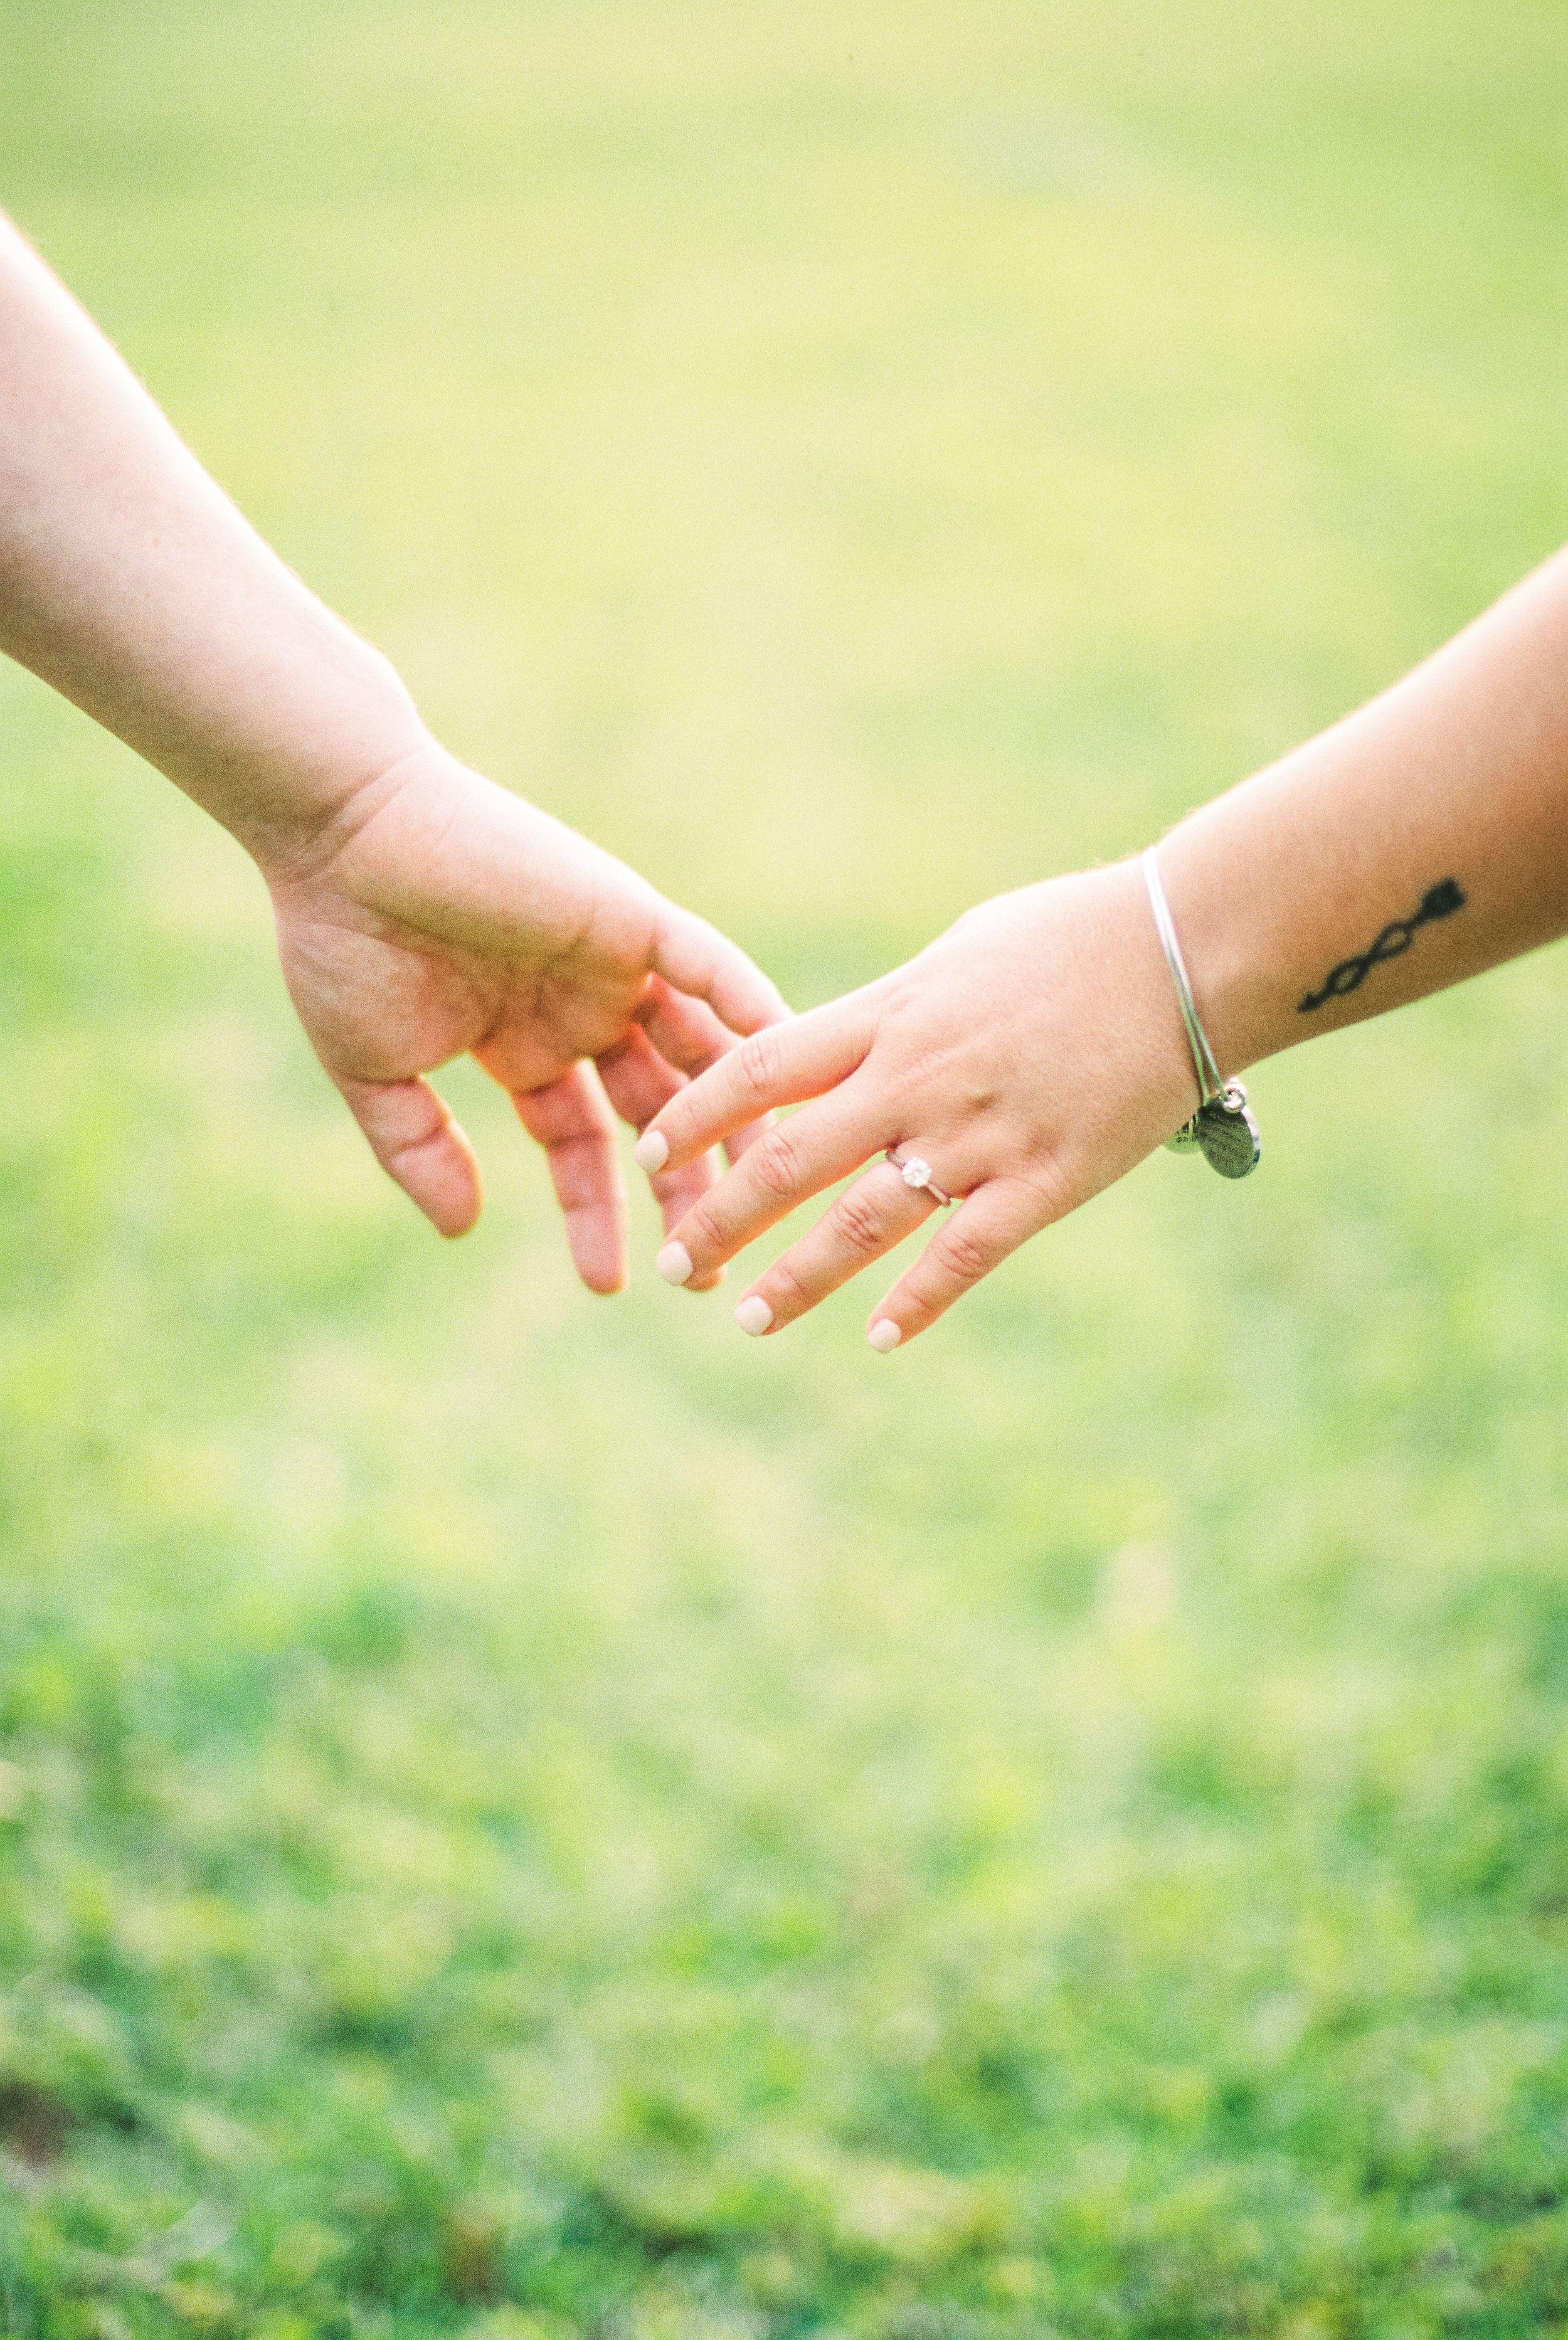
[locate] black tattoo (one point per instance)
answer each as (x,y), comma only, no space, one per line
(1440,901)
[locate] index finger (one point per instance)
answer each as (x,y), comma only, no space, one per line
(780,1064)
(689,1038)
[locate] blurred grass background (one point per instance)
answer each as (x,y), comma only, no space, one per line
(533,1817)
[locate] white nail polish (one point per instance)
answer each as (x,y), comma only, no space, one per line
(674,1263)
(754,1315)
(651,1150)
(884,1335)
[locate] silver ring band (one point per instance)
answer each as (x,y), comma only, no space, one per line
(917,1174)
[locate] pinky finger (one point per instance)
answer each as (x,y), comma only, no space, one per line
(977,1237)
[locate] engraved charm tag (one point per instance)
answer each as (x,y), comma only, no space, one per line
(1227,1133)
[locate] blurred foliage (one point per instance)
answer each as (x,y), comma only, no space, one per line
(534,1818)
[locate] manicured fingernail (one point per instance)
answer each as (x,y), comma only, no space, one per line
(674,1263)
(651,1152)
(754,1315)
(884,1335)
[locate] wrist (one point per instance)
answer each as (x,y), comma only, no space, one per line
(293,781)
(1238,976)
(1112,1027)
(1165,1068)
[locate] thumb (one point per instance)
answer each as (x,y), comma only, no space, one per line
(694,958)
(418,1143)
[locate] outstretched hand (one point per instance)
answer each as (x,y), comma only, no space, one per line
(1029,1057)
(443,914)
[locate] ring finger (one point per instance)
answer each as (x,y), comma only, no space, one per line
(865,1221)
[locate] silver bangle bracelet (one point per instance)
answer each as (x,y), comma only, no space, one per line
(1222,1129)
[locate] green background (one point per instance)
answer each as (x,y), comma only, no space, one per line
(539,1817)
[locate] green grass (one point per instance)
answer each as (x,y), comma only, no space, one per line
(532,1817)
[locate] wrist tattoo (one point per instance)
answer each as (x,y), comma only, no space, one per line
(1439,901)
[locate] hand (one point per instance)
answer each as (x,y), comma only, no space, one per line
(1030,1055)
(442,914)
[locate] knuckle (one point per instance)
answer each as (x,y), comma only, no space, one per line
(924,1066)
(856,1221)
(701,1233)
(757,1062)
(774,1165)
(961,1255)
(1050,1182)
(787,1293)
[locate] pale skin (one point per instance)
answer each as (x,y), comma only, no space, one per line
(1035,1052)
(422,911)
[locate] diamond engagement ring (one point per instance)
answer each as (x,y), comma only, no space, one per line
(916,1173)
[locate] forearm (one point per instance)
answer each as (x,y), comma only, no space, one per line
(129,582)
(1458,773)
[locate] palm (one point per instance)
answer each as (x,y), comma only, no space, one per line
(460,919)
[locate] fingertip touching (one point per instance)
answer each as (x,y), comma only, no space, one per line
(777,1064)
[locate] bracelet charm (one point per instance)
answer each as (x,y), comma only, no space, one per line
(1225,1134)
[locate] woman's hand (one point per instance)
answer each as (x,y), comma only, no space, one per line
(439,913)
(1029,1057)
